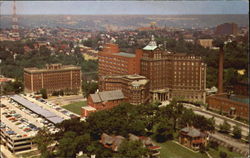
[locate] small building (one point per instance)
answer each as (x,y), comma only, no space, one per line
(232,105)
(86,110)
(192,138)
(106,99)
(111,142)
(154,150)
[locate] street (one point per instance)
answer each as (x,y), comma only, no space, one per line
(219,119)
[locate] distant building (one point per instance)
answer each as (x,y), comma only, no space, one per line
(192,138)
(106,99)
(227,29)
(189,40)
(231,105)
(5,79)
(206,43)
(113,62)
(173,74)
(134,87)
(53,78)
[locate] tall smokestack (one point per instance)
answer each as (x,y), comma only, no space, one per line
(220,72)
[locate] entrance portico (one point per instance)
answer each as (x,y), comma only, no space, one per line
(160,95)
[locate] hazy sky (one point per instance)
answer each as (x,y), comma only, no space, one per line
(127,7)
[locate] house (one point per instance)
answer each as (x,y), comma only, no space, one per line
(112,142)
(192,138)
(154,150)
(106,99)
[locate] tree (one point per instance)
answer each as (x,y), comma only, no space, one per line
(225,127)
(214,145)
(164,131)
(44,139)
(96,148)
(237,132)
(132,149)
(44,93)
(186,118)
(148,114)
(223,154)
(248,137)
(173,111)
(71,144)
(202,148)
(203,123)
(89,88)
(13,87)
(67,145)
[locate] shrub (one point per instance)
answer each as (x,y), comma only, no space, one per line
(214,145)
(223,154)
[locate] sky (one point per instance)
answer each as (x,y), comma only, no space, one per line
(127,7)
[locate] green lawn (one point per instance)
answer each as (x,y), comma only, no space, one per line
(216,153)
(170,149)
(75,107)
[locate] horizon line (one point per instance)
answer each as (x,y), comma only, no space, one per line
(128,14)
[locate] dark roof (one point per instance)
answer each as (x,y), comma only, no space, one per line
(107,96)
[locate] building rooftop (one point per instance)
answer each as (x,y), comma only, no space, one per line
(51,68)
(238,98)
(135,76)
(129,55)
(152,44)
(191,131)
(89,108)
(235,98)
(37,109)
(139,82)
(107,96)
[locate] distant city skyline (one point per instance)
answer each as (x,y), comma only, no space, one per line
(126,7)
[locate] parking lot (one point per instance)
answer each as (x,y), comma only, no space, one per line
(65,100)
(52,107)
(23,115)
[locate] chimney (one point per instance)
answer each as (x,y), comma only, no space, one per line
(220,72)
